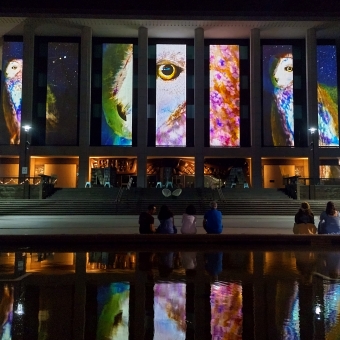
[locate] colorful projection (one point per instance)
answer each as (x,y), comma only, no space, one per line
(278,103)
(226,310)
(62,94)
(6,304)
(113,311)
(328,120)
(11,84)
(287,310)
(224,95)
(117,82)
(170,95)
(169,311)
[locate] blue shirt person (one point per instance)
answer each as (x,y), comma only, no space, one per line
(212,222)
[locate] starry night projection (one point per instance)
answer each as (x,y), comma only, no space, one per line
(62,94)
(278,101)
(328,121)
(11,96)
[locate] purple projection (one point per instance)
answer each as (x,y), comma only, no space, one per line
(328,119)
(278,103)
(170,311)
(170,95)
(10,121)
(62,94)
(224,95)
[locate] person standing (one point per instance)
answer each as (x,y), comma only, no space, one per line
(147,221)
(212,222)
(329,220)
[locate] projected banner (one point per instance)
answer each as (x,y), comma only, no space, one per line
(113,311)
(328,120)
(62,94)
(117,81)
(224,95)
(170,311)
(11,85)
(170,95)
(278,104)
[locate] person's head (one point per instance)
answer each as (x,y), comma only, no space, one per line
(330,208)
(164,212)
(151,208)
(305,206)
(190,210)
(213,205)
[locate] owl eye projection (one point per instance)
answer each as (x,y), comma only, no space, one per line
(170,95)
(282,107)
(11,98)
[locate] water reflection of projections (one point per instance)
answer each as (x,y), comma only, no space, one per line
(231,295)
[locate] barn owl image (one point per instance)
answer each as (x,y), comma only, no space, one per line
(117,92)
(282,110)
(224,95)
(12,96)
(171,95)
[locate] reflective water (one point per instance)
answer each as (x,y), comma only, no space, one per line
(170,295)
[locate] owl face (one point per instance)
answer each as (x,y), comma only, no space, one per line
(283,72)
(13,68)
(171,86)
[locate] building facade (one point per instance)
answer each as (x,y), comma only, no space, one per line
(193,102)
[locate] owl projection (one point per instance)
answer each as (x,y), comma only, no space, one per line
(117,93)
(282,110)
(224,95)
(11,96)
(171,95)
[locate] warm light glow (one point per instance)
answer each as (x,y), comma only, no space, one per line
(26,127)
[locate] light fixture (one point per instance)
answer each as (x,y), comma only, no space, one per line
(312,130)
(20,309)
(26,127)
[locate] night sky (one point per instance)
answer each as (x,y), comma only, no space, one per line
(326,63)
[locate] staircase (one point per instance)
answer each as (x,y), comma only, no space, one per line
(102,201)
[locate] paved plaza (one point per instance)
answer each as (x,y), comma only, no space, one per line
(122,224)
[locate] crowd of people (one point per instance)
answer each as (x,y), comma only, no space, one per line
(212,221)
(329,222)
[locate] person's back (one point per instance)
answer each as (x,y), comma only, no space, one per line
(166,219)
(213,220)
(329,220)
(146,220)
(189,221)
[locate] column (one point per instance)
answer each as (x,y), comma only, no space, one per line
(142,126)
(79,297)
(312,102)
(255,108)
(27,93)
(85,105)
(199,106)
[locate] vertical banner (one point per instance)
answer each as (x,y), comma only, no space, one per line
(328,119)
(11,96)
(278,103)
(117,82)
(170,310)
(224,95)
(171,95)
(62,93)
(113,311)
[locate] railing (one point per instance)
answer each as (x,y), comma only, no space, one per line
(119,194)
(220,194)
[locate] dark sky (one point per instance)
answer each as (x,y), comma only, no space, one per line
(174,7)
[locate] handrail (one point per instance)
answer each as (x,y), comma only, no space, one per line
(220,194)
(119,194)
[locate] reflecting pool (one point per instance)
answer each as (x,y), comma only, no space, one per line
(167,295)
